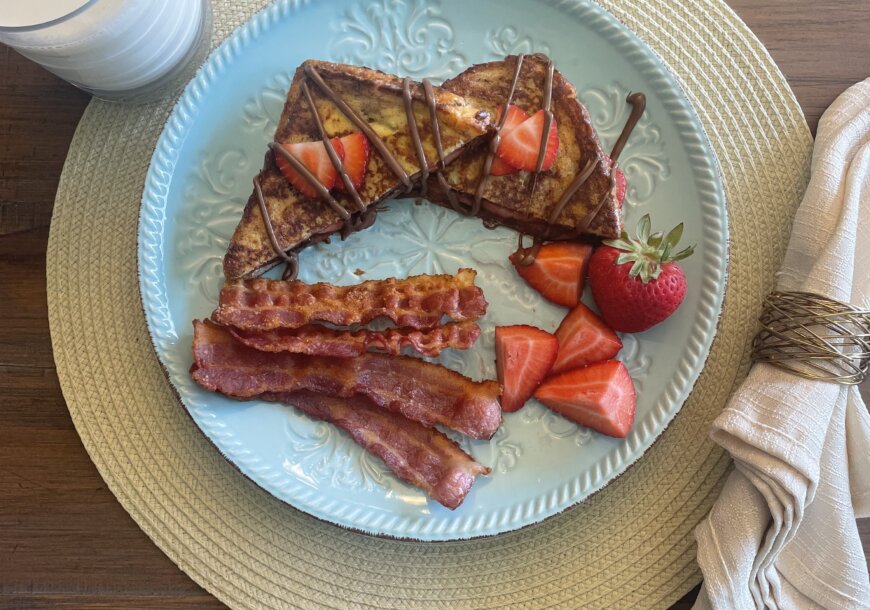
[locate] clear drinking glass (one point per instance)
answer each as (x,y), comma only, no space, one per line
(120,50)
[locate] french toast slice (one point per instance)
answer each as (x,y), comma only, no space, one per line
(506,199)
(378,99)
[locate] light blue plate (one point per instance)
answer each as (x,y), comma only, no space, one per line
(200,178)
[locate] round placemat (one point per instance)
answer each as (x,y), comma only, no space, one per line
(630,546)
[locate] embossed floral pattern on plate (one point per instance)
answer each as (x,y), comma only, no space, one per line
(409,38)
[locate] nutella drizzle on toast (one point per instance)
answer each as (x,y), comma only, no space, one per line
(638,106)
(548,121)
(363,126)
(291,258)
(494,143)
(429,95)
(363,217)
(408,101)
(637,101)
(366,217)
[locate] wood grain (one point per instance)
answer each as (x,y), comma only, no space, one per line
(821,46)
(65,542)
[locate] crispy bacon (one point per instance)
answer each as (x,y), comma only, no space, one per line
(428,393)
(419,302)
(316,340)
(418,455)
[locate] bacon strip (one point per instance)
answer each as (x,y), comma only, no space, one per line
(418,455)
(419,302)
(428,393)
(316,340)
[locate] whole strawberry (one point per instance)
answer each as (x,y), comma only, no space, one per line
(637,283)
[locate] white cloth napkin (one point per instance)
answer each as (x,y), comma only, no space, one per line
(782,534)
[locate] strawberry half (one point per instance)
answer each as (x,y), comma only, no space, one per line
(600,396)
(514,118)
(558,271)
(520,147)
(314,157)
(584,339)
(621,184)
(356,159)
(501,168)
(523,357)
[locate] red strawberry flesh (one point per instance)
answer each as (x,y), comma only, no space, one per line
(558,271)
(514,118)
(584,339)
(600,396)
(501,168)
(524,355)
(637,282)
(356,159)
(521,146)
(626,303)
(316,160)
(620,184)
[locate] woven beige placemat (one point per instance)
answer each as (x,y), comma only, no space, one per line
(629,546)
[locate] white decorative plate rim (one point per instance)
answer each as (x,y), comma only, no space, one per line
(704,165)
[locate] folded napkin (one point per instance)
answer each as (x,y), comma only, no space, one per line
(783,534)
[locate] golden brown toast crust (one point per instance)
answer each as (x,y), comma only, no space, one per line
(506,198)
(377,98)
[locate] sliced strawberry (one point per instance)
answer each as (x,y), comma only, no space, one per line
(314,157)
(621,184)
(356,159)
(558,271)
(599,396)
(523,356)
(520,147)
(514,118)
(584,339)
(501,168)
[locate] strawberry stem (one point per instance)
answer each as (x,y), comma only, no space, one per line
(648,252)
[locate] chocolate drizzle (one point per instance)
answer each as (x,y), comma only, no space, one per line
(638,106)
(529,254)
(590,216)
(415,134)
(494,143)
(280,149)
(330,150)
(548,121)
(363,216)
(292,259)
(429,94)
(363,126)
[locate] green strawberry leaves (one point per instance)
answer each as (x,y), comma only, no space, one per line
(648,252)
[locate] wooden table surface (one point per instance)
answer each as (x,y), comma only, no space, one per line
(64,539)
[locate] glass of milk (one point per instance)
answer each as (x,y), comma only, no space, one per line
(122,50)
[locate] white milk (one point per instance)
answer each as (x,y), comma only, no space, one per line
(104,45)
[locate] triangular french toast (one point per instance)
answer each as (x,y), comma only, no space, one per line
(378,100)
(508,199)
